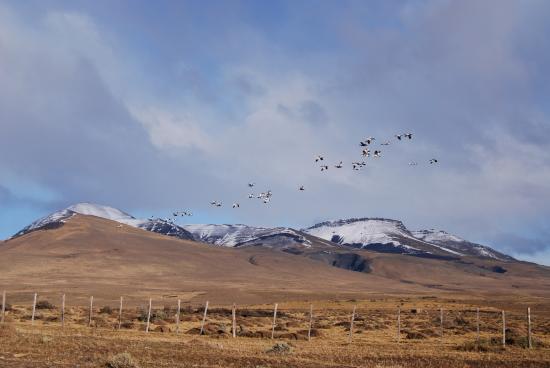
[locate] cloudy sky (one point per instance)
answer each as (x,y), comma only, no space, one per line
(155,106)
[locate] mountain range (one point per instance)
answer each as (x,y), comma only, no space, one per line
(87,248)
(376,234)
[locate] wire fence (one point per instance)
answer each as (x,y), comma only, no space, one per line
(470,327)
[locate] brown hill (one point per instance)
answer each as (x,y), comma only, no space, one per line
(93,256)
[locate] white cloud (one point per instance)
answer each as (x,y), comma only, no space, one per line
(465,77)
(169,131)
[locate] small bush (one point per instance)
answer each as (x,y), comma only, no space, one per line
(460,321)
(127,325)
(415,335)
(44,304)
(8,307)
(123,360)
(280,348)
(156,315)
(483,345)
(106,310)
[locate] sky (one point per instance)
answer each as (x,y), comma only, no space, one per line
(158,106)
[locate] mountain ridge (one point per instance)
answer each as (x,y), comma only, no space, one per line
(57,218)
(371,233)
(388,235)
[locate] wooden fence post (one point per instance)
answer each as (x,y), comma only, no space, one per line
(3,305)
(351,324)
(91,311)
(529,328)
(503,329)
(310,322)
(33,308)
(477,325)
(149,316)
(441,322)
(274,321)
(120,314)
(178,317)
(234,320)
(398,323)
(63,310)
(204,318)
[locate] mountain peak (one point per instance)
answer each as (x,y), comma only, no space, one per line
(93,209)
(58,218)
(387,235)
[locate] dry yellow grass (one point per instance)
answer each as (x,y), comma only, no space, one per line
(47,344)
(92,256)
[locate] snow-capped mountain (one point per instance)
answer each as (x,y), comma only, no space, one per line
(392,236)
(241,235)
(376,234)
(57,219)
(458,244)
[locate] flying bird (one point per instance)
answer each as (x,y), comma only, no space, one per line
(251,184)
(251,195)
(339,166)
(302,187)
(377,153)
(367,141)
(408,135)
(324,167)
(398,136)
(319,158)
(236,205)
(358,165)
(386,143)
(433,161)
(366,152)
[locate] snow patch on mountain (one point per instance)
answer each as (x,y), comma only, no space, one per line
(449,241)
(363,232)
(436,236)
(105,212)
(58,217)
(239,235)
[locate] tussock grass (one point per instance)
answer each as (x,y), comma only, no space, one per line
(374,342)
(122,360)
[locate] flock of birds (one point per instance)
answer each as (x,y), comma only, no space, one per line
(367,150)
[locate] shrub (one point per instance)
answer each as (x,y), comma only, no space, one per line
(106,310)
(123,360)
(44,304)
(483,345)
(8,307)
(280,348)
(414,335)
(156,315)
(127,325)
